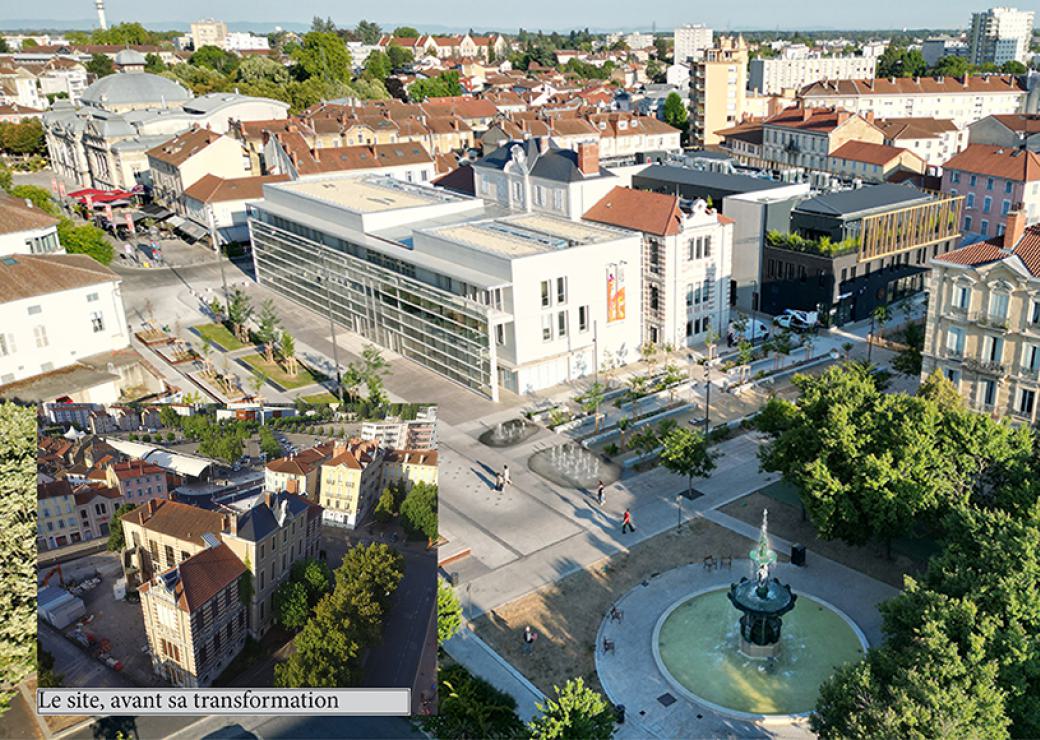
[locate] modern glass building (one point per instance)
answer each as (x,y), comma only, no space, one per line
(336,247)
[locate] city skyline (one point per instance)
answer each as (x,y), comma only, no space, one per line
(539,14)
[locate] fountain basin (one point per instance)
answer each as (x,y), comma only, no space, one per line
(696,644)
(508,433)
(572,466)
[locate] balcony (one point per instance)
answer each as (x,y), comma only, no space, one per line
(991,321)
(986,367)
(951,353)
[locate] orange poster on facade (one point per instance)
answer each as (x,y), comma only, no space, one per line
(615,293)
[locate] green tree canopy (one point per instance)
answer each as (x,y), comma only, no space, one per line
(470,707)
(951,66)
(256,69)
(368,32)
(445,84)
(576,711)
(291,605)
(85,239)
(100,65)
(449,612)
(377,66)
(315,576)
(153,63)
(40,198)
(675,113)
(419,511)
(406,32)
(685,452)
(399,56)
(23,137)
(116,540)
(324,56)
(215,58)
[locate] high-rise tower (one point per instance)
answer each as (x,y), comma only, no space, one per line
(100,5)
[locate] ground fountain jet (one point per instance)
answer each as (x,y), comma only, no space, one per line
(762,601)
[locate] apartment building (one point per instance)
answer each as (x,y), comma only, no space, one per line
(57,520)
(419,433)
(690,42)
(298,473)
(959,99)
(718,86)
(935,48)
(137,481)
(933,140)
(1020,130)
(806,137)
(95,506)
(406,468)
(687,254)
(983,326)
(774,76)
(179,163)
(1000,35)
(208,32)
(193,617)
(994,182)
(351,482)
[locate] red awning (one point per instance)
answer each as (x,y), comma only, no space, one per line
(100,196)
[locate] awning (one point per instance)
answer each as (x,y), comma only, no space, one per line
(191,230)
(156,211)
(175,221)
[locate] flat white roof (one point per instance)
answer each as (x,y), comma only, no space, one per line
(367,194)
(527,234)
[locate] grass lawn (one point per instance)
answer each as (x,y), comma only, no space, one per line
(219,335)
(324,397)
(567,613)
(276,373)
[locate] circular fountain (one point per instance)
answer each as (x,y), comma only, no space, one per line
(508,433)
(573,466)
(745,667)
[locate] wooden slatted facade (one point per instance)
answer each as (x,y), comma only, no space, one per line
(913,227)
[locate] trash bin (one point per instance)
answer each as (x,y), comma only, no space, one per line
(798,555)
(620,711)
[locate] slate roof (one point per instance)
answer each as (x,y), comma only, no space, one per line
(700,178)
(851,202)
(30,275)
(261,520)
(558,165)
(128,88)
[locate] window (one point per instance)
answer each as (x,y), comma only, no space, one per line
(1034,312)
(989,183)
(500,334)
(967,223)
(973,180)
(6,345)
(707,246)
(561,324)
(97,322)
(1026,401)
(40,334)
(961,297)
(1005,207)
(655,298)
(955,340)
(1008,185)
(989,392)
(1031,357)
(583,318)
(561,290)
(34,310)
(969,202)
(987,204)
(984,227)
(546,296)
(689,294)
(955,177)
(169,557)
(993,348)
(998,305)
(92,297)
(546,328)
(558,200)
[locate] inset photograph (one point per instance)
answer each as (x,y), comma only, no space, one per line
(240,545)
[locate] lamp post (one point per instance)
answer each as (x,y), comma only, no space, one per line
(707,396)
(220,257)
(678,502)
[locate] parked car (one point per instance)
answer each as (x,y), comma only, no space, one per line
(751,330)
(796,320)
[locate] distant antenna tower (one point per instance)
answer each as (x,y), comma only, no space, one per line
(100,5)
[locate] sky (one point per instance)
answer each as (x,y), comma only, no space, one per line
(533,14)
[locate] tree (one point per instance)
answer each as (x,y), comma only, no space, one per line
(287,350)
(445,84)
(575,712)
(39,197)
(291,606)
(215,58)
(116,540)
(24,138)
(86,239)
(315,576)
(324,56)
(675,113)
(239,311)
(368,32)
(419,511)
(591,400)
(386,506)
(259,69)
(6,178)
(685,452)
(18,545)
(353,377)
(1013,67)
(405,32)
(377,66)
(153,63)
(908,361)
(399,57)
(268,444)
(323,26)
(449,612)
(951,66)
(470,707)
(100,65)
(4,47)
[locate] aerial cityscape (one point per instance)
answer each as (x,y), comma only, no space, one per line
(618,378)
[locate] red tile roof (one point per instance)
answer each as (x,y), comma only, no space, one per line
(183,147)
(135,469)
(1027,250)
(879,154)
(213,189)
(915,85)
(1007,162)
(205,574)
(640,210)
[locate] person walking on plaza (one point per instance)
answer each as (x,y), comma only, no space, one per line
(498,482)
(627,522)
(600,495)
(505,475)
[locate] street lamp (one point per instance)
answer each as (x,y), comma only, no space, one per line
(707,396)
(220,257)
(678,502)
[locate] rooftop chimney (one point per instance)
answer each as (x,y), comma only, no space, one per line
(588,158)
(806,113)
(843,115)
(1014,228)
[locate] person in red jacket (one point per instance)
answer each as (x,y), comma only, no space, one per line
(626,523)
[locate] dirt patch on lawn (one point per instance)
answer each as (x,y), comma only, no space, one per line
(567,614)
(786,521)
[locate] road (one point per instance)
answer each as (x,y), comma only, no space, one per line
(77,667)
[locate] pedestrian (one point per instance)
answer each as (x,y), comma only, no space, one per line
(626,523)
(505,475)
(600,494)
(529,637)
(498,481)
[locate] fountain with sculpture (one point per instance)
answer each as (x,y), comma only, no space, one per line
(762,601)
(508,433)
(742,665)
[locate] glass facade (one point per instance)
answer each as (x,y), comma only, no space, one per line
(379,297)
